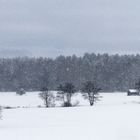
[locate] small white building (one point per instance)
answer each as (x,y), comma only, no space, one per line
(133,92)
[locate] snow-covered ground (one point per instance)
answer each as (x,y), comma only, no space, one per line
(115,117)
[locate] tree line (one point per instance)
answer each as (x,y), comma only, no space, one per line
(111,72)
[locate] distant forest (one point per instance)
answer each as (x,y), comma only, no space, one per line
(111,72)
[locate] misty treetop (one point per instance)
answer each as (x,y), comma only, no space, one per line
(111,72)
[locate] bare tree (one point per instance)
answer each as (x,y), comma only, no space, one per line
(90,92)
(47,97)
(65,93)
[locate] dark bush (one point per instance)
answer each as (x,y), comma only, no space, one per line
(21,91)
(67,104)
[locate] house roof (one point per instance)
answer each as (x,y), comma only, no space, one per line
(133,90)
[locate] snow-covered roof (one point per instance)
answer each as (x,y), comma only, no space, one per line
(133,90)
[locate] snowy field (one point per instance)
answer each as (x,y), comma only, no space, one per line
(115,117)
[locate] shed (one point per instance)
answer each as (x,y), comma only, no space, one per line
(132,92)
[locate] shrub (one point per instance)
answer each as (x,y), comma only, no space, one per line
(67,104)
(21,91)
(0,112)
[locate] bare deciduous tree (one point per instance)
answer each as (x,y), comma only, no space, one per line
(90,92)
(65,93)
(47,97)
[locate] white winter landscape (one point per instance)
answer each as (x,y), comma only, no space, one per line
(115,117)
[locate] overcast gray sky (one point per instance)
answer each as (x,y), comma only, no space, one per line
(53,27)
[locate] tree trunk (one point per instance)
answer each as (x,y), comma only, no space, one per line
(91,103)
